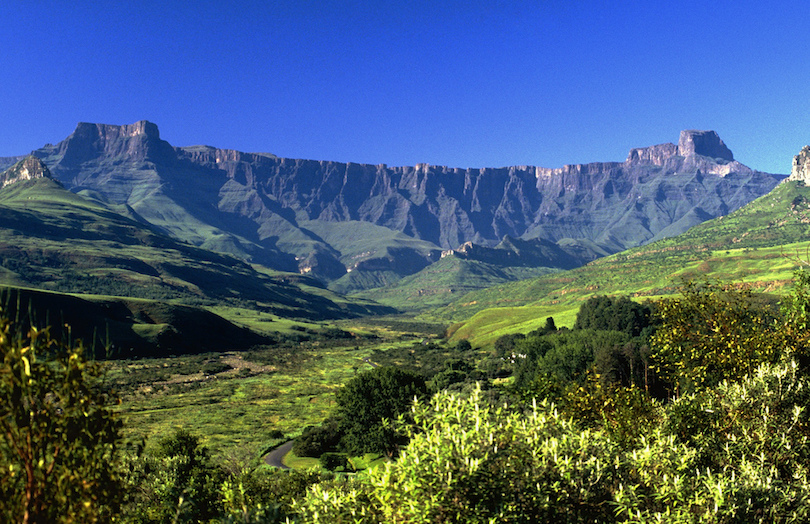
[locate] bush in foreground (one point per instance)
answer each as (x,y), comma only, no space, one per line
(737,453)
(57,435)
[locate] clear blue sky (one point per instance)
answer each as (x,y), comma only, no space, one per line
(458,83)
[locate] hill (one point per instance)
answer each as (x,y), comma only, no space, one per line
(760,244)
(57,241)
(356,226)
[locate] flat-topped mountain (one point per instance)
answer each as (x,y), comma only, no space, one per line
(358,226)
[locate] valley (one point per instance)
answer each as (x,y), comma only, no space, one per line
(234,298)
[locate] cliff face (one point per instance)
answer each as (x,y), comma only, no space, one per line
(28,168)
(704,143)
(278,211)
(801,166)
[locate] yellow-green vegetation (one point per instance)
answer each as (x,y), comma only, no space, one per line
(734,448)
(58,437)
(486,326)
(250,400)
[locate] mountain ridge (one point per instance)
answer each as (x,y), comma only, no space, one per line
(259,207)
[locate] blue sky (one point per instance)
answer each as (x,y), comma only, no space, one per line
(464,84)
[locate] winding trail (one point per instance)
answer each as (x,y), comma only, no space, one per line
(275,457)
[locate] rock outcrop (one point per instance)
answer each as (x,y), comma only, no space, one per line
(28,168)
(801,166)
(656,155)
(704,143)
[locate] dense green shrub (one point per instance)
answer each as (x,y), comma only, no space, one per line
(713,332)
(468,462)
(748,461)
(178,483)
(58,437)
(562,357)
(615,314)
(316,440)
(367,401)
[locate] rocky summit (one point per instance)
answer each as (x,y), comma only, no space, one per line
(28,168)
(357,225)
(801,166)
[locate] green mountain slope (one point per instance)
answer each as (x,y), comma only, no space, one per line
(759,244)
(58,241)
(120,327)
(473,267)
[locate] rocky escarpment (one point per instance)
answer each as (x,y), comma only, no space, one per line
(28,168)
(801,166)
(704,143)
(304,215)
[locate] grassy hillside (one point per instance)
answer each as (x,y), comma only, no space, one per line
(119,327)
(55,240)
(443,281)
(758,244)
(143,290)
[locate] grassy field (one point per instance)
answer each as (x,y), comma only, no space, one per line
(241,402)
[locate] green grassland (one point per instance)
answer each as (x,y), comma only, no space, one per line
(760,244)
(244,401)
(357,240)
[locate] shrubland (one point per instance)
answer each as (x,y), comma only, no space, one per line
(688,409)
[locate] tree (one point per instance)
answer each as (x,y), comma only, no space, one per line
(58,436)
(711,333)
(370,399)
(316,440)
(463,345)
(614,314)
(178,483)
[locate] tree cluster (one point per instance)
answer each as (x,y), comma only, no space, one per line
(366,406)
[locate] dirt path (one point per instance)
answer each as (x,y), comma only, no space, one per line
(275,457)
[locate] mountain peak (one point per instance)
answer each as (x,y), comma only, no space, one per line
(142,127)
(704,143)
(28,168)
(801,166)
(137,140)
(691,142)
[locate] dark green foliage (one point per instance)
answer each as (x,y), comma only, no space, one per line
(505,345)
(447,378)
(563,357)
(58,436)
(370,399)
(615,314)
(178,483)
(333,461)
(627,365)
(463,345)
(316,440)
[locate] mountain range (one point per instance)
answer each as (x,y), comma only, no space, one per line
(356,227)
